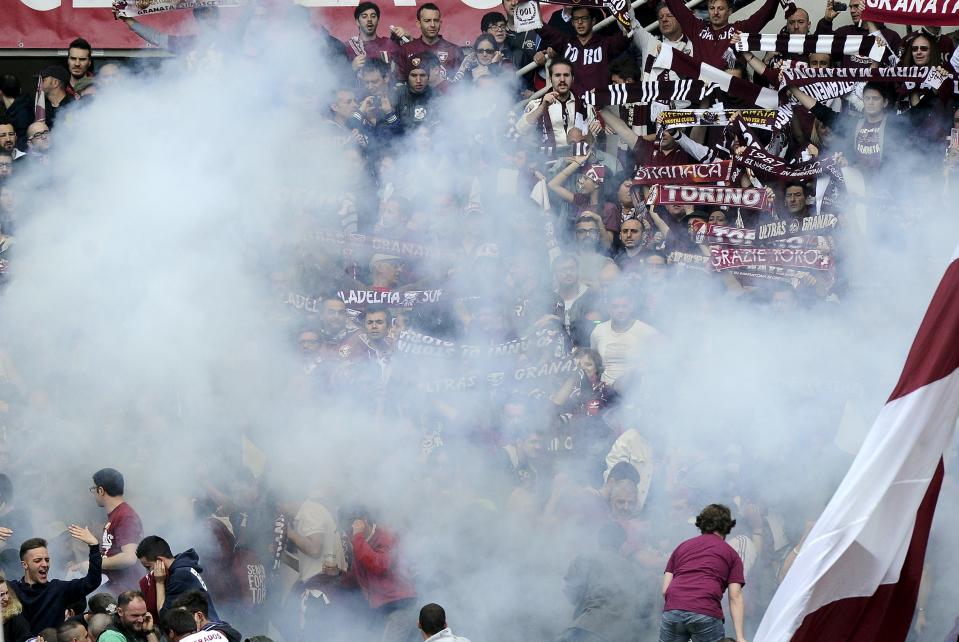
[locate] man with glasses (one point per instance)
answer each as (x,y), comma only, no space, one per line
(38,138)
(6,165)
(590,54)
(121,534)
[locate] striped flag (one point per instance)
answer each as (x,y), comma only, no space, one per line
(813,43)
(39,103)
(856,578)
(687,67)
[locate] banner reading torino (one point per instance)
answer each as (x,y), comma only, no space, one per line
(750,198)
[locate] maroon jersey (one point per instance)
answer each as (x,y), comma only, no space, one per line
(590,61)
(647,153)
(373,48)
(123,527)
(449,55)
(710,45)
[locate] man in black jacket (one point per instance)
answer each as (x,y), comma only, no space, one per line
(44,601)
(174,575)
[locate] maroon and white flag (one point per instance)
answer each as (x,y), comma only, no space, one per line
(901,12)
(856,578)
(39,103)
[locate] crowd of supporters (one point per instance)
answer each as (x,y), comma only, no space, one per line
(512,354)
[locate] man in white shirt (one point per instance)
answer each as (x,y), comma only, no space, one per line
(623,340)
(559,115)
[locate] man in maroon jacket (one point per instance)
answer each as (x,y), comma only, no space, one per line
(430,20)
(589,52)
(385,585)
(711,38)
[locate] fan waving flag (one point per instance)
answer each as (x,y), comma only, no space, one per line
(856,578)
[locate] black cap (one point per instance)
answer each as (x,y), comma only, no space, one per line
(56,71)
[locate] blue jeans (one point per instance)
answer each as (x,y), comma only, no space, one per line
(683,626)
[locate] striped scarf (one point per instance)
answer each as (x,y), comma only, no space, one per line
(799,44)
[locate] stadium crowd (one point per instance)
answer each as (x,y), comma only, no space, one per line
(638,166)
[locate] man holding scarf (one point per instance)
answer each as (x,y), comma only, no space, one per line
(561,116)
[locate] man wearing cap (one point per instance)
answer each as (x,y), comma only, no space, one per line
(53,82)
(385,271)
(413,103)
(366,44)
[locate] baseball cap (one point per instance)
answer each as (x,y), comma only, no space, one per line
(56,71)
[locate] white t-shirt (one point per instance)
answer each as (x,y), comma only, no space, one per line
(205,636)
(621,351)
(314,519)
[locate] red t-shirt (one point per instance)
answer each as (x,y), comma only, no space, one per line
(374,48)
(702,568)
(123,527)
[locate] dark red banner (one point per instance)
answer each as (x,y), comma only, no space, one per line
(52,24)
(900,12)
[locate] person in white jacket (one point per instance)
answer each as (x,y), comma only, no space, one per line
(432,623)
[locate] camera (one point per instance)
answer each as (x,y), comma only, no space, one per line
(839,6)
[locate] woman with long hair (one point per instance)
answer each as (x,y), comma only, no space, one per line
(15,626)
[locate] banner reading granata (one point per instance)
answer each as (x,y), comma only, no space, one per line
(137,8)
(913,12)
(683,174)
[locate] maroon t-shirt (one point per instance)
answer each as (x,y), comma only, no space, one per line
(702,568)
(709,44)
(450,56)
(123,527)
(590,61)
(374,48)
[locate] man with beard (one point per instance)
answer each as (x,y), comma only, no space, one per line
(366,44)
(333,329)
(54,81)
(559,115)
(79,62)
(45,601)
(8,140)
(429,19)
(132,622)
(633,235)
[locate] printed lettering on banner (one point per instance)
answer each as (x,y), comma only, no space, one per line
(527,16)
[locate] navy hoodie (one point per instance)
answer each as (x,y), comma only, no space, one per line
(44,604)
(184,576)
